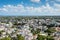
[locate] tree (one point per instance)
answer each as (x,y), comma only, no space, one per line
(50,25)
(40,37)
(1,32)
(6,38)
(37,31)
(50,30)
(50,38)
(20,37)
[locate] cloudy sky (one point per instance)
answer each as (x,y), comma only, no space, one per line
(29,7)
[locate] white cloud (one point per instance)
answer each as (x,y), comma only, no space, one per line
(57,5)
(36,1)
(3,9)
(20,9)
(53,0)
(57,0)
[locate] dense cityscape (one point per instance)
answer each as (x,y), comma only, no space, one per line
(29,19)
(29,28)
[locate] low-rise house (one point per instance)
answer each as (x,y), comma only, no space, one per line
(2,28)
(35,36)
(57,29)
(57,35)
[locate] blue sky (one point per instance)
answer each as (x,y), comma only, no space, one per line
(29,7)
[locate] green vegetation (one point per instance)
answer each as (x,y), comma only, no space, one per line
(20,37)
(50,30)
(1,32)
(50,38)
(40,37)
(37,31)
(6,38)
